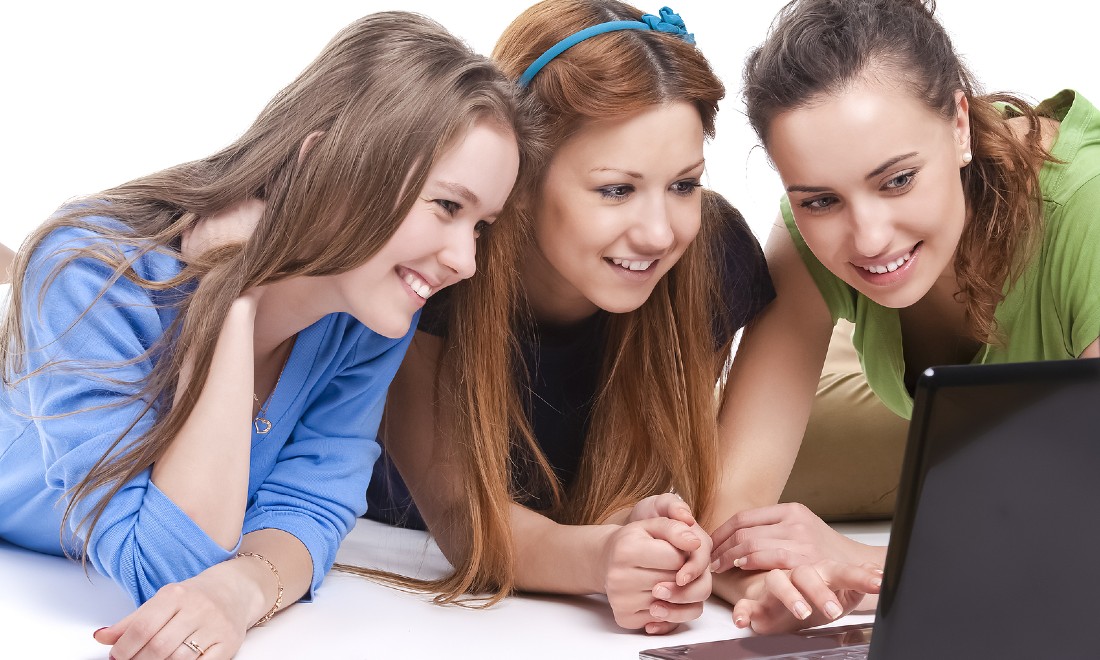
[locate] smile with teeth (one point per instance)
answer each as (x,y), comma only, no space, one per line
(632,265)
(889,266)
(418,285)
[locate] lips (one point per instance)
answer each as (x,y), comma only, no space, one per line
(888,271)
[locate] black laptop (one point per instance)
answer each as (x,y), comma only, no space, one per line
(995,545)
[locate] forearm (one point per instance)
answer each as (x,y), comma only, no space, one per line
(205,469)
(289,558)
(555,558)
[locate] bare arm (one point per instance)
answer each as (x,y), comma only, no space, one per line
(771,386)
(630,562)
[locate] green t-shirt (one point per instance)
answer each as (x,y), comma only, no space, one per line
(1051,312)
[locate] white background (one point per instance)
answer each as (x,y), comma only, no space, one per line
(97,93)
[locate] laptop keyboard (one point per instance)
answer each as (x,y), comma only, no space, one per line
(858,652)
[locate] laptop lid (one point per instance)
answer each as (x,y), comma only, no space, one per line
(992,545)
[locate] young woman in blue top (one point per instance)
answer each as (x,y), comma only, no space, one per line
(948,225)
(196,360)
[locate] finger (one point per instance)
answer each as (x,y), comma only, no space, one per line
(745,610)
(675,612)
(695,592)
(769,558)
(780,586)
(110,634)
(671,505)
(817,593)
(676,533)
(760,516)
(171,640)
(141,627)
(660,627)
(698,560)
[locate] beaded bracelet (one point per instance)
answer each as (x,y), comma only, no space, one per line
(278,599)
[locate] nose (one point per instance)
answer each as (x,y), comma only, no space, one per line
(872,229)
(652,231)
(459,251)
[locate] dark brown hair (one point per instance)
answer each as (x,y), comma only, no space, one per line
(817,48)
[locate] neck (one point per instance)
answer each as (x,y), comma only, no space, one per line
(287,307)
(551,298)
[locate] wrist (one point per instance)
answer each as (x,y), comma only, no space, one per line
(265,592)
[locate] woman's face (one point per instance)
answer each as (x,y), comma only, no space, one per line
(873,179)
(619,204)
(434,245)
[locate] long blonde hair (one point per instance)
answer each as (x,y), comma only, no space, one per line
(654,424)
(390,93)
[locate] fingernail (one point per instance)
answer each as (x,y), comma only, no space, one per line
(97,631)
(739,621)
(686,578)
(658,610)
(876,581)
(833,610)
(714,566)
(801,610)
(740,561)
(662,593)
(877,571)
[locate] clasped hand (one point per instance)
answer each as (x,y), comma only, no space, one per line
(656,572)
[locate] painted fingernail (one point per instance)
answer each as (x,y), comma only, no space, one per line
(801,610)
(740,561)
(658,610)
(96,632)
(662,592)
(833,610)
(714,566)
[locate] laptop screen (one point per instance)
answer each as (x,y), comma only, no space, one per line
(993,551)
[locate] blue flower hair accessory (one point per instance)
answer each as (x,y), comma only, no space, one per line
(668,21)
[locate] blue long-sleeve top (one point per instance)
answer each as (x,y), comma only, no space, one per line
(308,475)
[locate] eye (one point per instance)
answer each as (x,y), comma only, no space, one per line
(616,192)
(818,204)
(450,207)
(900,182)
(686,187)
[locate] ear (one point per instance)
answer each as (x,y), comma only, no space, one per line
(307,144)
(962,127)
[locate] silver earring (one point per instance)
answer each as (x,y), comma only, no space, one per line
(967,157)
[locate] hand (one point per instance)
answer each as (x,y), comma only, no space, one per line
(208,610)
(670,505)
(807,596)
(644,563)
(232,225)
(782,536)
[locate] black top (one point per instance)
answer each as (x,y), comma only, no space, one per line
(563,366)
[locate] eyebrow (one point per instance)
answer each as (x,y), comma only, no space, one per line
(872,174)
(637,175)
(461,191)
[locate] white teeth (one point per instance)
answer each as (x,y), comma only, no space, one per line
(418,285)
(632,265)
(889,266)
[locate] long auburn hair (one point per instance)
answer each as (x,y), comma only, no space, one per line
(816,48)
(654,424)
(391,93)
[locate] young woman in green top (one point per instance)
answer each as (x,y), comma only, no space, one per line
(950,226)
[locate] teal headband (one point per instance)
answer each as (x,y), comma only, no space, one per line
(668,21)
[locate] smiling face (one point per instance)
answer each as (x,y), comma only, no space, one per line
(619,204)
(435,244)
(873,179)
